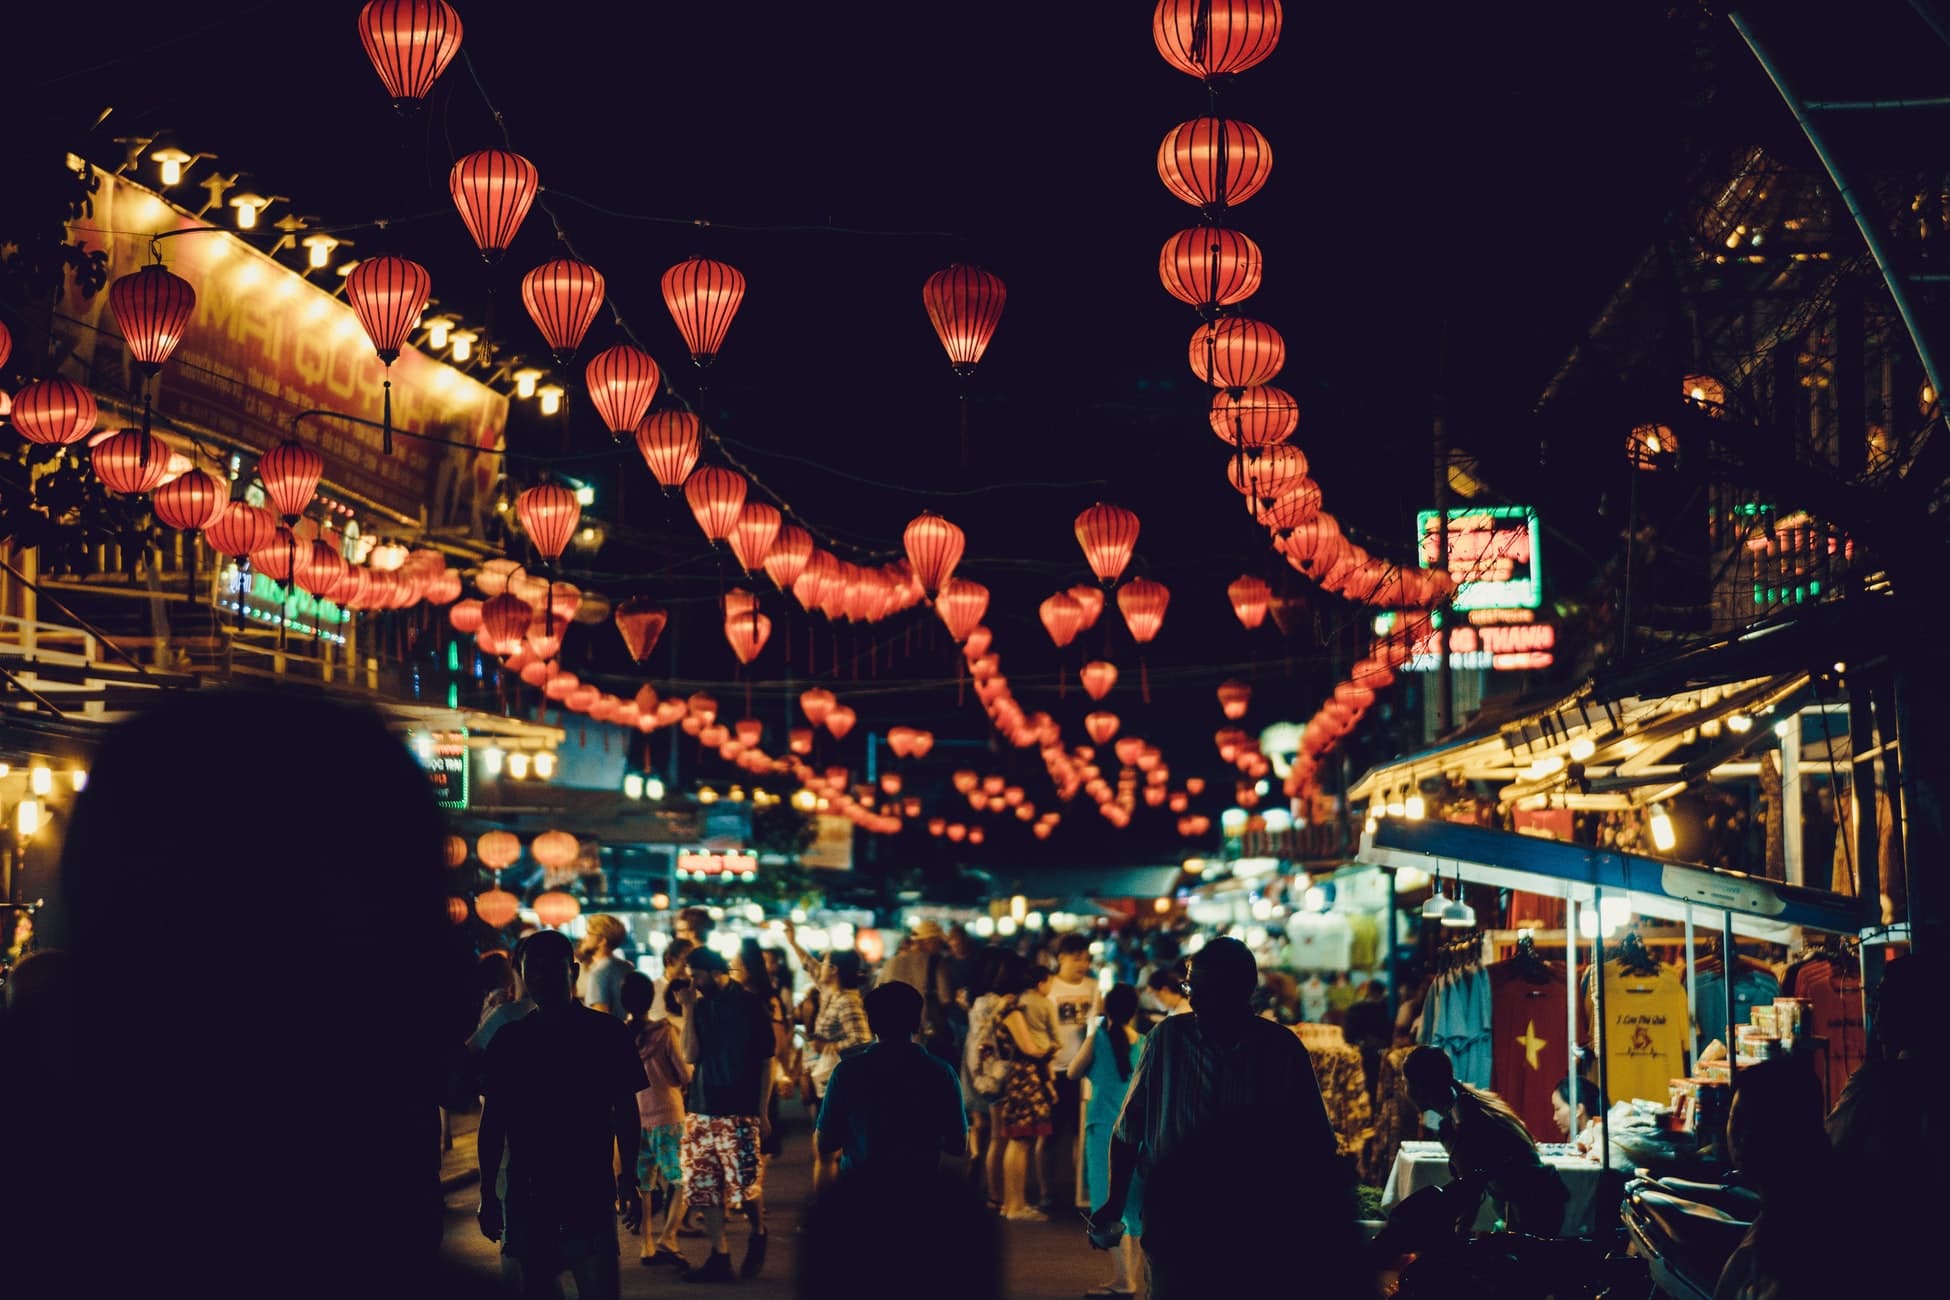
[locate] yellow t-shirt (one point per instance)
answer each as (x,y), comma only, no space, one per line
(1645,1034)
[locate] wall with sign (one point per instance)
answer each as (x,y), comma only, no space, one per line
(1492,555)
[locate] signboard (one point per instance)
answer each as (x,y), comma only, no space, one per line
(266,343)
(1500,647)
(1492,555)
(443,756)
(699,864)
(832,846)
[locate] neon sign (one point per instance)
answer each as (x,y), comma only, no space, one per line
(1492,555)
(698,864)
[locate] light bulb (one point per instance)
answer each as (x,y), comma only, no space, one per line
(1739,723)
(525,381)
(1458,916)
(518,766)
(633,785)
(1019,907)
(6,770)
(464,341)
(1413,808)
(248,206)
(1663,837)
(318,251)
(586,495)
(40,778)
(170,162)
(27,817)
(437,331)
(491,760)
(1582,748)
(1435,907)
(551,398)
(653,788)
(545,764)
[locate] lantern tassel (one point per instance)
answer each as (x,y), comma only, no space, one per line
(1144,679)
(142,455)
(386,419)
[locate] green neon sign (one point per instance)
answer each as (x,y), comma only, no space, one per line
(1493,555)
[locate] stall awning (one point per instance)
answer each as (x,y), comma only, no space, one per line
(1761,909)
(1081,884)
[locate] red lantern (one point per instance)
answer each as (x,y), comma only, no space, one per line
(1062,618)
(130,462)
(1214,163)
(387,294)
(622,383)
(1252,418)
(556,909)
(410,43)
(318,568)
(561,686)
(152,309)
(1314,546)
(1249,596)
(54,412)
(841,720)
(549,514)
(189,501)
(1233,352)
(497,850)
(752,536)
(749,732)
(934,546)
(669,444)
(717,496)
(1354,695)
(493,189)
(504,621)
(965,304)
(1234,697)
(1277,471)
(543,637)
(961,605)
(274,558)
(6,344)
(1102,725)
(1108,535)
(703,297)
(496,907)
(641,623)
(1209,266)
(1091,599)
(817,704)
(240,529)
(1291,508)
(1098,676)
(747,634)
(1215,38)
(563,297)
(290,474)
(1142,602)
(791,552)
(1129,750)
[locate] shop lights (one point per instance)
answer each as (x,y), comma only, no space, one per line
(1739,723)
(1006,926)
(1663,838)
(707,795)
(652,788)
(6,770)
(633,785)
(318,250)
(27,818)
(492,760)
(804,800)
(518,765)
(1277,820)
(545,764)
(551,398)
(464,341)
(1582,748)
(1414,808)
(438,329)
(1033,921)
(585,495)
(170,162)
(1397,807)
(1458,916)
(1548,765)
(1018,908)
(40,779)
(525,381)
(249,206)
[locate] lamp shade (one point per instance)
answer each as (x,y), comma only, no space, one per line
(1214,163)
(752,536)
(1291,508)
(1210,267)
(1099,676)
(504,622)
(1101,726)
(622,383)
(1062,618)
(1254,417)
(549,514)
(791,551)
(1091,599)
(493,189)
(703,297)
(556,908)
(961,605)
(641,622)
(318,568)
(1143,602)
(747,633)
(1234,697)
(716,497)
(290,472)
(189,501)
(240,529)
(669,443)
(53,412)
(1108,534)
(387,295)
(816,704)
(152,309)
(410,43)
(965,305)
(563,297)
(1250,597)
(130,462)
(1278,470)
(497,850)
(1234,352)
(841,720)
(497,907)
(1215,38)
(934,548)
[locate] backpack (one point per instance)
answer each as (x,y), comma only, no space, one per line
(989,1057)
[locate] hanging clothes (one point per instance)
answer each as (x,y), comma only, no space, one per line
(1456,1018)
(1527,1029)
(1395,1119)
(1645,1033)
(1344,1091)
(1752,987)
(1833,983)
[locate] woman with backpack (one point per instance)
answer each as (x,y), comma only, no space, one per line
(980,1079)
(1105,1060)
(1024,1109)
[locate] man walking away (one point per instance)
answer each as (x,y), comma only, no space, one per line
(895,1106)
(561,1086)
(1077,1000)
(922,963)
(1225,1123)
(728,1041)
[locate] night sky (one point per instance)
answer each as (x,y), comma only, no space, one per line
(1499,169)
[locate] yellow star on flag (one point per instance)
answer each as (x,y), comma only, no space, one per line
(1532,1044)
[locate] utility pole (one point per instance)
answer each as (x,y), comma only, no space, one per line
(1445,686)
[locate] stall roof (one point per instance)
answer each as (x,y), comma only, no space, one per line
(1089,882)
(1761,909)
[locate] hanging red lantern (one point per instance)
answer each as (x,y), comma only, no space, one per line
(1214,163)
(493,189)
(274,558)
(54,412)
(669,443)
(1102,725)
(702,706)
(1234,697)
(1277,471)
(1062,618)
(1142,602)
(555,850)
(130,462)
(1249,596)
(1098,676)
(189,501)
(1315,545)
(549,514)
(799,740)
(1291,508)
(1108,534)
(841,720)
(816,704)
(240,529)
(504,621)
(387,295)
(582,698)
(1354,695)
(1091,600)
(622,383)
(152,309)
(934,548)
(563,297)
(497,850)
(556,908)
(961,605)
(1215,38)
(560,686)
(977,644)
(716,496)
(752,536)
(1234,352)
(791,551)
(318,568)
(1254,418)
(290,474)
(1209,267)
(6,344)
(703,297)
(410,43)
(1129,750)
(641,623)
(543,637)
(747,633)
(497,907)
(965,305)
(749,732)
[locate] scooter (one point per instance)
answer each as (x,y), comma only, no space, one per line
(1445,1261)
(1685,1231)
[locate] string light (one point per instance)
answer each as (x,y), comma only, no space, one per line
(464,341)
(545,764)
(551,398)
(437,331)
(318,250)
(525,381)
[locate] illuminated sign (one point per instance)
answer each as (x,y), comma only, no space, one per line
(269,602)
(1500,647)
(446,765)
(697,864)
(832,846)
(1492,555)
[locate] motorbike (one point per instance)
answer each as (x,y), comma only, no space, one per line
(1429,1251)
(1685,1231)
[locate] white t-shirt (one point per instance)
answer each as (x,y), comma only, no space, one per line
(602,983)
(1075,1003)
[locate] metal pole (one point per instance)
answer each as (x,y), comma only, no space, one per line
(1599,1027)
(1692,987)
(1571,999)
(1445,686)
(1733,1030)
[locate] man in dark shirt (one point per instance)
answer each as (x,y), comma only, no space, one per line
(895,1106)
(728,1041)
(560,1089)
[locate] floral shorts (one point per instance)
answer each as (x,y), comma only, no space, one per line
(661,1153)
(721,1160)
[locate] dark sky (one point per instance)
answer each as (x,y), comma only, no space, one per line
(1498,168)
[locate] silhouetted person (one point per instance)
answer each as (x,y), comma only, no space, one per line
(895,1106)
(1224,1121)
(728,1041)
(1810,1218)
(931,1231)
(287,1111)
(1489,1148)
(560,1090)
